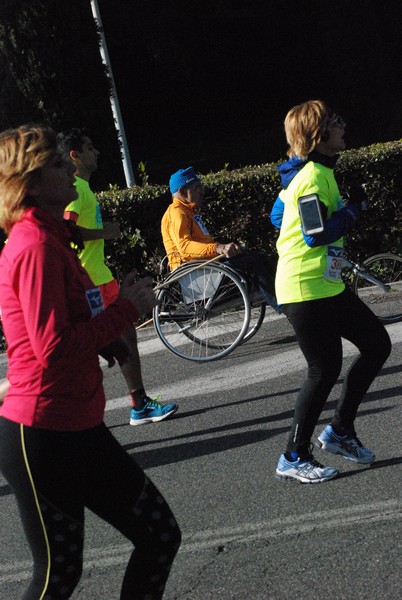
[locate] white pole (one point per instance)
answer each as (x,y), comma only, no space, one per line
(114,101)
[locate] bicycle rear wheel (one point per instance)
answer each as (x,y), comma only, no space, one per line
(257,314)
(386,305)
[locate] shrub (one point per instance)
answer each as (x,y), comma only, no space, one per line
(238,204)
(379,168)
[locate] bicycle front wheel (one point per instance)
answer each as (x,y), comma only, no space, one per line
(204,315)
(386,305)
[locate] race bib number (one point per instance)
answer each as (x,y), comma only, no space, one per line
(333,271)
(95,301)
(201,225)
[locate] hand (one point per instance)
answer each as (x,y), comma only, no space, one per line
(111,231)
(139,293)
(75,233)
(357,196)
(229,250)
(4,387)
(116,350)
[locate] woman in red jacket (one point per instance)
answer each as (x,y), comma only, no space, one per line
(55,451)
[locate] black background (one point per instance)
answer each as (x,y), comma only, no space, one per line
(209,83)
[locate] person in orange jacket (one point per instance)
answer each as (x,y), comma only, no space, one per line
(186,237)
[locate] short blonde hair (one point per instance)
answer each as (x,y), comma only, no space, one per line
(23,153)
(305,125)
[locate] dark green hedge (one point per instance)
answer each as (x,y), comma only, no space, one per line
(238,204)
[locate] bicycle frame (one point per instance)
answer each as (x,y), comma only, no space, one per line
(359,270)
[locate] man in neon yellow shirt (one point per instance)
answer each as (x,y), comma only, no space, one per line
(312,295)
(86,213)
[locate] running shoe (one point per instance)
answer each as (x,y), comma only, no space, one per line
(348,446)
(307,470)
(152,412)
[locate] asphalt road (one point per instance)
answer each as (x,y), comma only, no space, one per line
(245,533)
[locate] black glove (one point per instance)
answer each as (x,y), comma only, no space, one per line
(116,350)
(357,196)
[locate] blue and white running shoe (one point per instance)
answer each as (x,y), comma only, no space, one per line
(348,446)
(307,470)
(152,412)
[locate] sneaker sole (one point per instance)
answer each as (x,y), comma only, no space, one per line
(283,477)
(134,422)
(336,450)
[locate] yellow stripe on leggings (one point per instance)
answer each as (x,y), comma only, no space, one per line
(39,511)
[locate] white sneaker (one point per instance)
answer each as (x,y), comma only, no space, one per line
(304,470)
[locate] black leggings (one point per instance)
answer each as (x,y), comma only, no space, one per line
(54,476)
(319,326)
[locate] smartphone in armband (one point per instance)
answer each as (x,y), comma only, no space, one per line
(310,214)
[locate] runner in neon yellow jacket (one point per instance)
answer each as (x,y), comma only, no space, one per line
(305,272)
(312,295)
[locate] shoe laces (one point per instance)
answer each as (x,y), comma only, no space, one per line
(358,442)
(153,401)
(314,463)
(310,458)
(352,438)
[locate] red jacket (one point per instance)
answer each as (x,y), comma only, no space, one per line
(52,329)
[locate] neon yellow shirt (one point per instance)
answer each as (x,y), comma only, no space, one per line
(305,273)
(89,216)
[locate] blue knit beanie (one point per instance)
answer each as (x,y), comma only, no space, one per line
(181,178)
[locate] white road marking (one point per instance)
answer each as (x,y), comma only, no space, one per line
(260,370)
(256,371)
(348,516)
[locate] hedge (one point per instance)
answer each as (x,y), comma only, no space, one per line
(238,203)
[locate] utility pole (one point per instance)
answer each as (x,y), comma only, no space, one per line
(114,101)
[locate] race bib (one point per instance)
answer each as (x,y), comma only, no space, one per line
(333,271)
(95,301)
(201,225)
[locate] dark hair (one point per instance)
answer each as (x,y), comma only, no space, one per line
(71,139)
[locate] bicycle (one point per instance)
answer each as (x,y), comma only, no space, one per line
(378,283)
(206,310)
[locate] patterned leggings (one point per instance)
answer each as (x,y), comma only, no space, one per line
(54,476)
